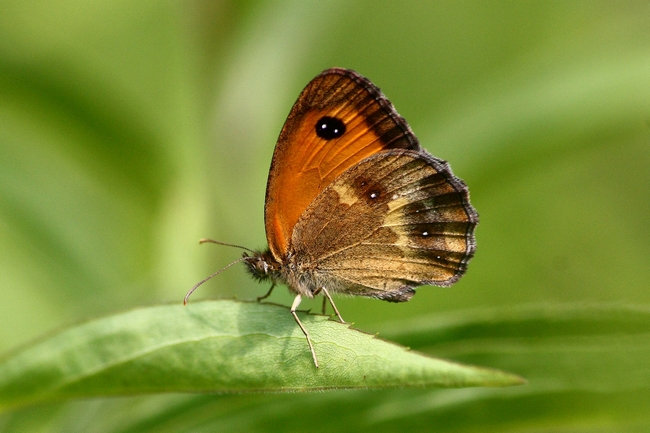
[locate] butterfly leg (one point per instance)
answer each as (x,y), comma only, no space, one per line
(295,304)
(327,295)
(259,298)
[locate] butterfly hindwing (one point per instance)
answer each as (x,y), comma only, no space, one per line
(306,160)
(397,220)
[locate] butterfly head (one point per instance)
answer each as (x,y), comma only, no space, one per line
(261,265)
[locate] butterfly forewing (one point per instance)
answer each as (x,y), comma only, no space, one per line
(305,162)
(397,220)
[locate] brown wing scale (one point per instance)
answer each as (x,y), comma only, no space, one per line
(397,220)
(304,163)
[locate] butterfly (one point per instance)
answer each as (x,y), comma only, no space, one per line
(355,206)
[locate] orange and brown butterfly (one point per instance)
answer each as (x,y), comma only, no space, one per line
(355,206)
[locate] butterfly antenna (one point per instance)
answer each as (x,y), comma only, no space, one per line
(212,241)
(196,286)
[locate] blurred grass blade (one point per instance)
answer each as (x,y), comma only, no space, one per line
(218,346)
(557,347)
(522,321)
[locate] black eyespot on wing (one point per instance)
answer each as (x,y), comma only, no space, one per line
(329,128)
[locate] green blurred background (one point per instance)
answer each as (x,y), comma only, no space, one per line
(129,130)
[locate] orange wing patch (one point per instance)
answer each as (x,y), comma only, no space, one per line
(306,160)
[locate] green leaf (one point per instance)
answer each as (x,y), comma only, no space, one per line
(219,346)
